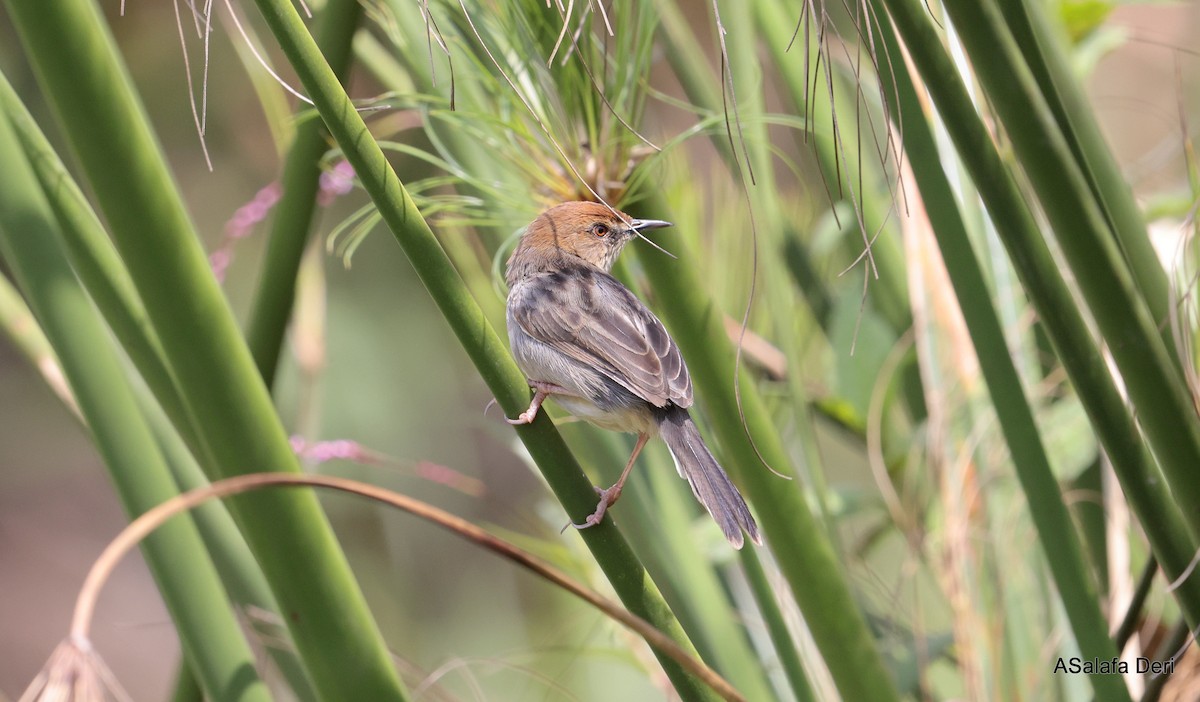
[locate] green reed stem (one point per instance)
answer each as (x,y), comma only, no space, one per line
(221,388)
(212,638)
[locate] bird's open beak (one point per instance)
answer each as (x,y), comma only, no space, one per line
(643,224)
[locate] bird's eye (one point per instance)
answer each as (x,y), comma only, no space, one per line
(600,230)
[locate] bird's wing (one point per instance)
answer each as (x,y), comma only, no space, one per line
(588,315)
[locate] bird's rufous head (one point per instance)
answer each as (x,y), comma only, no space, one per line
(588,230)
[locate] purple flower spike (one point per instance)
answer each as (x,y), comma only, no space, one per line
(344,450)
(219,260)
(335,182)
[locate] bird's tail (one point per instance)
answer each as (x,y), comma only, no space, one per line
(709,483)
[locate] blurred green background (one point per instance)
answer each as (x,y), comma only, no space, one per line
(391,376)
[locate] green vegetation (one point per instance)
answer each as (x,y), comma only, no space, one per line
(919,302)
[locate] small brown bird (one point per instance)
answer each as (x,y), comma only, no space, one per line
(584,339)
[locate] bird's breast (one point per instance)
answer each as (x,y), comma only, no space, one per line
(592,395)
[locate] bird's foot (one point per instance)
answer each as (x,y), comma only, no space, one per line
(541,390)
(525,417)
(608,498)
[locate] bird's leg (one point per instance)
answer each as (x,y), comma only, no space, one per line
(609,497)
(540,392)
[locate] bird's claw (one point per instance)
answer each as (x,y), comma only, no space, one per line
(608,498)
(591,521)
(542,390)
(525,417)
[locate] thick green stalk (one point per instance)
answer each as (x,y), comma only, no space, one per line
(477,336)
(233,560)
(294,213)
(802,548)
(230,553)
(212,638)
(1140,479)
(1056,532)
(108,283)
(223,392)
(95,261)
(1049,63)
(1161,401)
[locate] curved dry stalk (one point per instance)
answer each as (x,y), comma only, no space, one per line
(141,527)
